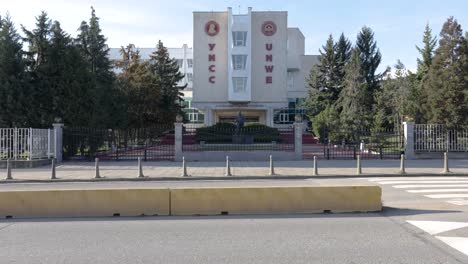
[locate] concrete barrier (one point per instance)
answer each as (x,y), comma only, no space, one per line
(85,203)
(275,200)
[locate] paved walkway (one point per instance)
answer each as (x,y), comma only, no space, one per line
(116,170)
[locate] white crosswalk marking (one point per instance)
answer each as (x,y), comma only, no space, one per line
(458,202)
(458,243)
(437,190)
(416,178)
(438,227)
(405,186)
(455,195)
(450,188)
(419,182)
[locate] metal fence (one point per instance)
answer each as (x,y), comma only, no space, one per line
(344,144)
(437,138)
(26,143)
(226,137)
(156,143)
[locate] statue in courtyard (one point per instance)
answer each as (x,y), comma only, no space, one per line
(240,119)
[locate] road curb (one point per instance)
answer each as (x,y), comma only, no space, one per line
(231,178)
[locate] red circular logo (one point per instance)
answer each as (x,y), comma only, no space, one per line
(269,28)
(212,28)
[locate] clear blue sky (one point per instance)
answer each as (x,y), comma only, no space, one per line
(398,24)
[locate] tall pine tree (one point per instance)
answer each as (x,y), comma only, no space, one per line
(343,53)
(370,58)
(424,64)
(41,114)
(447,83)
(352,100)
(14,100)
(166,70)
(107,100)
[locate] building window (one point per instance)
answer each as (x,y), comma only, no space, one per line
(179,63)
(189,77)
(187,103)
(239,38)
(239,84)
(190,63)
(239,62)
(290,81)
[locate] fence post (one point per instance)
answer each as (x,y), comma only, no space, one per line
(49,145)
(178,126)
(298,126)
(58,141)
(30,143)
(15,143)
(409,140)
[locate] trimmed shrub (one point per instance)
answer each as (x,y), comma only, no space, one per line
(223,132)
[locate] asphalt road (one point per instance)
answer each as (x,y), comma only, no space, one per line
(412,228)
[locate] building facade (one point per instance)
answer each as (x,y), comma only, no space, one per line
(250,63)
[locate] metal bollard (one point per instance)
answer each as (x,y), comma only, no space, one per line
(446,163)
(140,168)
(359,168)
(272,168)
(8,170)
(97,175)
(228,167)
(53,174)
(402,164)
(184,168)
(315,173)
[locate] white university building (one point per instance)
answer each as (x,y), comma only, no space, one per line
(251,63)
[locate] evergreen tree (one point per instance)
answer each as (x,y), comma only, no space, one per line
(395,101)
(141,88)
(168,76)
(107,99)
(370,58)
(424,64)
(447,83)
(69,79)
(426,52)
(326,81)
(352,100)
(343,53)
(38,40)
(324,77)
(13,81)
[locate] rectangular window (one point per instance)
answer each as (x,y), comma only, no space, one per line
(239,38)
(239,62)
(290,81)
(180,63)
(190,63)
(189,77)
(239,84)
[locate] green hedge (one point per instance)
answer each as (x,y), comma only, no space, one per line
(223,132)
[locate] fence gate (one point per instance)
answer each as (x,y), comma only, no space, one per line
(382,144)
(26,143)
(119,144)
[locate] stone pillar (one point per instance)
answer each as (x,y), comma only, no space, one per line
(178,126)
(269,117)
(298,129)
(409,140)
(58,142)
